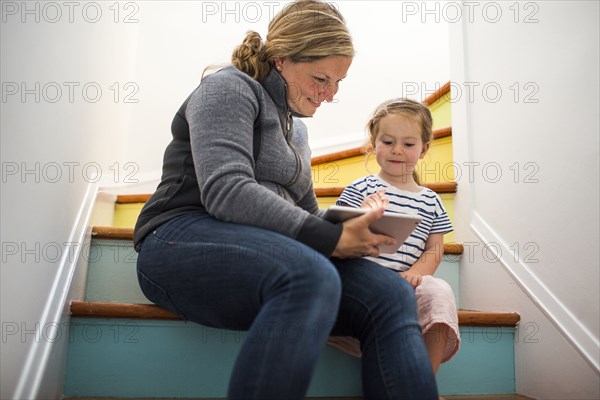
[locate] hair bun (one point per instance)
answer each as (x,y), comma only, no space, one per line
(253,41)
(248,55)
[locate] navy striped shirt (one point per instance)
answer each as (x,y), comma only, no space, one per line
(426,203)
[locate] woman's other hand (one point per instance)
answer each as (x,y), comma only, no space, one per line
(357,240)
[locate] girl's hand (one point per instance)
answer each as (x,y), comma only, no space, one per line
(414,278)
(376,200)
(357,240)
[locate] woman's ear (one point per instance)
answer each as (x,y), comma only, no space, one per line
(278,62)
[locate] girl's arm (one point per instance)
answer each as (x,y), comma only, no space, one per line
(429,261)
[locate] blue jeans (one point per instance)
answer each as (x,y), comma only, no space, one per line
(290,298)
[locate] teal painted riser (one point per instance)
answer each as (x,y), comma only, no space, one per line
(112,276)
(133,358)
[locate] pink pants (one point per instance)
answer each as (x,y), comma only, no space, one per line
(435,304)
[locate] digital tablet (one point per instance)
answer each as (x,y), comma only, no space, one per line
(398,226)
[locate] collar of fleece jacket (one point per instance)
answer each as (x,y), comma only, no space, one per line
(276,86)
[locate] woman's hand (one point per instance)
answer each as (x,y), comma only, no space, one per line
(375,200)
(414,278)
(357,240)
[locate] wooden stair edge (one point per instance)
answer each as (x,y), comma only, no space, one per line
(358,151)
(442,132)
(339,155)
(93,309)
(113,233)
(132,198)
(438,187)
(441,92)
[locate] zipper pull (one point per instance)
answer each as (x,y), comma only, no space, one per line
(289,121)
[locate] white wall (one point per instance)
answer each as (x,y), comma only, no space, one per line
(177,40)
(531,191)
(63,139)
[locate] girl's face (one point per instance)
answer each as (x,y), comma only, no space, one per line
(398,147)
(310,83)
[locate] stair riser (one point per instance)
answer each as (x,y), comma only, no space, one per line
(112,273)
(132,358)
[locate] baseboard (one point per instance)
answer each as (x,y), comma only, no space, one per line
(46,358)
(580,337)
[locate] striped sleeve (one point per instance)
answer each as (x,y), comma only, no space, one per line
(354,194)
(441,221)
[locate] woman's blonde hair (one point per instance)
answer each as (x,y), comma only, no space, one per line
(303,31)
(405,107)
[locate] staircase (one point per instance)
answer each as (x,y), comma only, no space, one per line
(123,346)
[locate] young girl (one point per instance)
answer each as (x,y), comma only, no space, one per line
(400,134)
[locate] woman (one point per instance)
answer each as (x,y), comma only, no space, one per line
(233,238)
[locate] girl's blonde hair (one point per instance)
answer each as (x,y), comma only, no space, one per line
(303,31)
(406,107)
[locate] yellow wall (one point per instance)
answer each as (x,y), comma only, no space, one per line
(441,112)
(126,214)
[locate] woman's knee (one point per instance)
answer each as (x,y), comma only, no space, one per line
(309,274)
(321,278)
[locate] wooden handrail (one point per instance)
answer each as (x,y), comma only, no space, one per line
(94,309)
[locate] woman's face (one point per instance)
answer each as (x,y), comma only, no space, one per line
(310,83)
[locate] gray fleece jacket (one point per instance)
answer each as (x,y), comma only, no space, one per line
(238,154)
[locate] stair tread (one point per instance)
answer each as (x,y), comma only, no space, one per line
(116,233)
(152,311)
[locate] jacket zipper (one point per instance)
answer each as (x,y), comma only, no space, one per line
(288,124)
(288,137)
